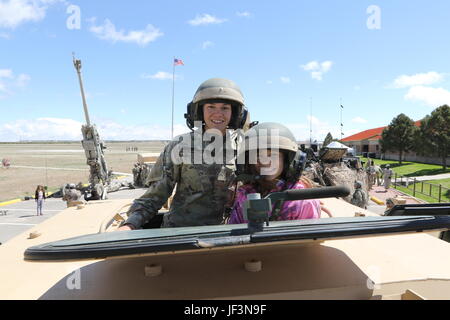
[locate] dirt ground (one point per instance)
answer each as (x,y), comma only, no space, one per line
(57,164)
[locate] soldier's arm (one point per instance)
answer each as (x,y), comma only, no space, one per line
(163,178)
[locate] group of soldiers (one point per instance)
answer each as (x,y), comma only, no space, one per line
(140,174)
(378,176)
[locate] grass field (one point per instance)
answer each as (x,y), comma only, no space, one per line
(428,186)
(56,164)
(411,169)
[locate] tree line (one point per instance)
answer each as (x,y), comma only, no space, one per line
(431,138)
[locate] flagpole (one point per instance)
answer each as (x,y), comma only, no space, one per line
(342,124)
(173,92)
(310,123)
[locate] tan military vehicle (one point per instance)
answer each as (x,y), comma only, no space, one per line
(354,255)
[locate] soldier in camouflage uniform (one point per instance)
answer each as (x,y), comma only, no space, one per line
(136,175)
(202,189)
(72,196)
(359,197)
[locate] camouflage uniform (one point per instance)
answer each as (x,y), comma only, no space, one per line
(202,190)
(136,175)
(72,196)
(359,197)
(387,176)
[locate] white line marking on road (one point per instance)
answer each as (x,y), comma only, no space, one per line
(17,224)
(33,210)
(49,168)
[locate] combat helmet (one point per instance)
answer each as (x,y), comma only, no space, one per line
(218,90)
(271,135)
(358,184)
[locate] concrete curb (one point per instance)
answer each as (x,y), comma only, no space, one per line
(377,201)
(2,204)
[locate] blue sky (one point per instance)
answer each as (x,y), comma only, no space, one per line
(382,58)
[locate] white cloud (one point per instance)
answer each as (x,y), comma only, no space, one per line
(207,44)
(108,32)
(317,75)
(326,66)
(161,75)
(16,12)
(9,82)
(41,129)
(6,36)
(310,66)
(317,69)
(5,73)
(205,19)
(319,129)
(359,120)
(285,79)
(419,79)
(244,14)
(269,82)
(313,120)
(433,97)
(22,80)
(68,129)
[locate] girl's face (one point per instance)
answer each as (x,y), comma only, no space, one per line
(270,164)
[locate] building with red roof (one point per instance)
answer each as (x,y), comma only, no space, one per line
(367,143)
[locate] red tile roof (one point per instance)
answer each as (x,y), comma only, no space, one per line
(365,135)
(371,134)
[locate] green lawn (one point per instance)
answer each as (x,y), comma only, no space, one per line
(411,169)
(445,195)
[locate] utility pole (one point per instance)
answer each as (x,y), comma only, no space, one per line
(173,94)
(310,122)
(342,123)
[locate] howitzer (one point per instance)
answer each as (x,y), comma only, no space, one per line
(99,177)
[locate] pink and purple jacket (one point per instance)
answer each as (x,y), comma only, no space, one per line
(290,210)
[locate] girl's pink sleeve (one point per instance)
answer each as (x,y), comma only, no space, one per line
(310,209)
(237,215)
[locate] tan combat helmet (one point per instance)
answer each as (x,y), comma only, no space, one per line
(271,135)
(218,90)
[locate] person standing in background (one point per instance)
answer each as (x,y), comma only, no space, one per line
(40,198)
(387,176)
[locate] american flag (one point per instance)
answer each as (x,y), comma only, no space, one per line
(178,62)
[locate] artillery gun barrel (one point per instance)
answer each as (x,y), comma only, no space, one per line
(77,65)
(93,146)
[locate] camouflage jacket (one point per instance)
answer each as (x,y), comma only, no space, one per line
(72,195)
(202,190)
(359,198)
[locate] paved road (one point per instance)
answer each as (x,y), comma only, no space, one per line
(50,168)
(22,216)
(428,178)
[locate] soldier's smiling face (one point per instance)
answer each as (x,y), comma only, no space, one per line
(217,116)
